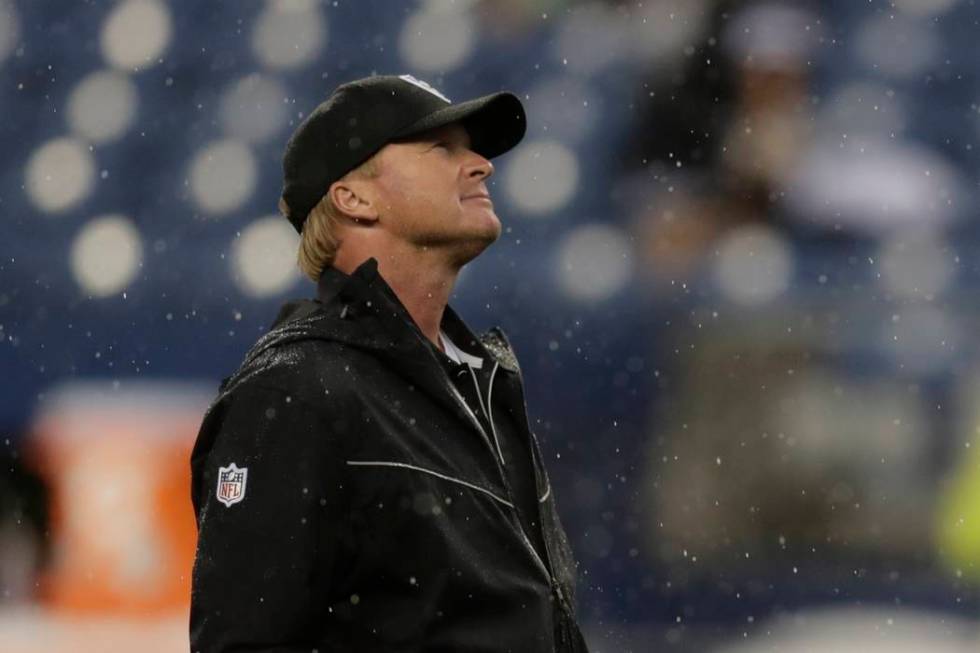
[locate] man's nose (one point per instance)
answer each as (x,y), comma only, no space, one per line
(479,167)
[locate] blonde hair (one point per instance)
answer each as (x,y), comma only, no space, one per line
(318,241)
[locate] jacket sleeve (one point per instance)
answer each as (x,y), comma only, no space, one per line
(261,573)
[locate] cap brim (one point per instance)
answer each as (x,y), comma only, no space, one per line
(495,123)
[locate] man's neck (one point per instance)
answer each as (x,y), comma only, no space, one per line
(421,284)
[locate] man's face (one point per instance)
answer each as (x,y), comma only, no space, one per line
(431,191)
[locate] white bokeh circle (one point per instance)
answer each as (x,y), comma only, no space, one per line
(264,257)
(222,176)
(60,174)
(594,262)
(136,34)
(253,108)
(754,265)
(437,40)
(873,184)
(106,255)
(289,33)
(565,106)
(102,106)
(541,177)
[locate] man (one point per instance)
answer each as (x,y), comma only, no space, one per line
(368,480)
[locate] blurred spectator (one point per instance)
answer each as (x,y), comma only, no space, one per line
(23,527)
(770,454)
(724,136)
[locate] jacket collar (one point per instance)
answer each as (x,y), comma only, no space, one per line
(361,311)
(364,294)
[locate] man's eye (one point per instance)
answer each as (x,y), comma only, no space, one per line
(442,144)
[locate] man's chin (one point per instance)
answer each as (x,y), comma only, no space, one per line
(467,250)
(465,245)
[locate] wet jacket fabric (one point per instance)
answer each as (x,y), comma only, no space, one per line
(369,506)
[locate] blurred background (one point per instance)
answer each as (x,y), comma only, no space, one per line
(739,266)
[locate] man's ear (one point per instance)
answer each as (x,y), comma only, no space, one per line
(352,199)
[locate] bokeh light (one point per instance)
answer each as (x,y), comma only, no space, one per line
(223,176)
(872,184)
(754,265)
(106,255)
(264,257)
(136,34)
(437,39)
(254,109)
(60,174)
(289,33)
(565,107)
(541,177)
(102,106)
(594,262)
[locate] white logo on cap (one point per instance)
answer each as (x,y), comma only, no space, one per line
(424,86)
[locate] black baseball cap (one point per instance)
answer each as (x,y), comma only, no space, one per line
(362,116)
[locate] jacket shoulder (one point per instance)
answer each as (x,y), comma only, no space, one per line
(309,368)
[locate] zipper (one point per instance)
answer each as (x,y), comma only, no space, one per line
(488,410)
(510,495)
(547,568)
(563,602)
(475,420)
(488,407)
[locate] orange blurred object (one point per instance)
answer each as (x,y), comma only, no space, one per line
(116,459)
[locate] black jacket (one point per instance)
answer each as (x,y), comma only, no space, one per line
(374,514)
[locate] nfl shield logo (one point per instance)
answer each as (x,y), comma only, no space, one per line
(231,484)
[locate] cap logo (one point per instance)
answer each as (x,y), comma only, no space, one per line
(231,484)
(424,86)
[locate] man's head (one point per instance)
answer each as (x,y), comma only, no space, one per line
(391,153)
